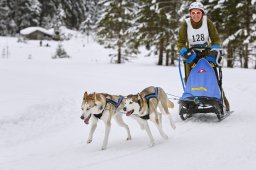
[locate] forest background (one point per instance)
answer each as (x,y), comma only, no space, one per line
(126,25)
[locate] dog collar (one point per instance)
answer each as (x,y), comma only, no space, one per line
(146,117)
(98,115)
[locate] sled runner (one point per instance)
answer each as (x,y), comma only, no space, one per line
(203,91)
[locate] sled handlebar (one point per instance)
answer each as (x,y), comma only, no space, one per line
(219,57)
(199,48)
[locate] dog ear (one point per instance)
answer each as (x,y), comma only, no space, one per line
(139,96)
(94,96)
(141,101)
(85,95)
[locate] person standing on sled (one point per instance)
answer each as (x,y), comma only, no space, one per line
(199,31)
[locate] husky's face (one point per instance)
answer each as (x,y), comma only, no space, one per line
(90,106)
(132,105)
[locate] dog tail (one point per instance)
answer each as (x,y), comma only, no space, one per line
(170,104)
(166,103)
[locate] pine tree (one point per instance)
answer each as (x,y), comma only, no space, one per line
(58,22)
(4,10)
(47,12)
(236,27)
(60,53)
(145,26)
(114,29)
(222,13)
(172,14)
(74,12)
(245,11)
(91,16)
(26,13)
(157,28)
(253,50)
(152,27)
(215,13)
(7,20)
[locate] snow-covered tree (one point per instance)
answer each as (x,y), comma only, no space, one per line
(26,13)
(157,23)
(92,10)
(4,10)
(74,13)
(58,22)
(236,29)
(114,29)
(173,16)
(48,11)
(245,10)
(60,52)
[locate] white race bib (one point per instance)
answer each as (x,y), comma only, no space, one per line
(197,36)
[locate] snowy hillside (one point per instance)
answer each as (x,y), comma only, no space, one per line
(40,126)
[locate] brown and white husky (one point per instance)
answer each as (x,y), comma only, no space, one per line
(144,105)
(103,106)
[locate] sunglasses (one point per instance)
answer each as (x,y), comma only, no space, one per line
(198,13)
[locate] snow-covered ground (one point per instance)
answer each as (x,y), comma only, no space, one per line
(40,126)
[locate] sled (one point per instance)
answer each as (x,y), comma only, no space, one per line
(203,92)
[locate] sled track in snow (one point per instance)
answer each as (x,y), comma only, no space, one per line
(37,119)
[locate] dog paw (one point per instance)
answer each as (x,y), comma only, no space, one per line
(165,137)
(103,148)
(152,144)
(129,138)
(89,141)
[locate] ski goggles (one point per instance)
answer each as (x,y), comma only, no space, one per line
(197,12)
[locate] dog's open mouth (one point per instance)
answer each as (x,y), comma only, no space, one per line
(86,120)
(130,112)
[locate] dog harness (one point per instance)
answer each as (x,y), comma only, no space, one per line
(152,95)
(148,97)
(116,104)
